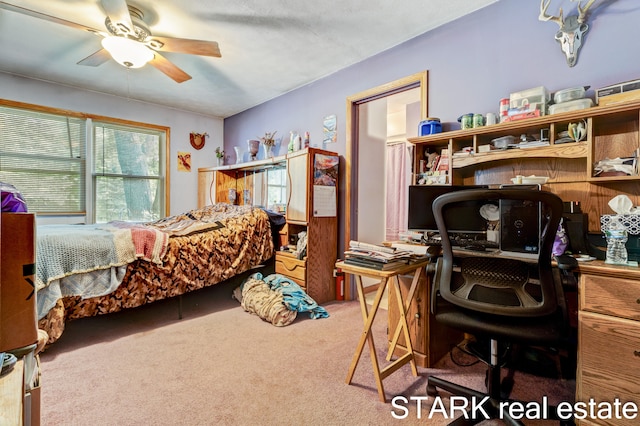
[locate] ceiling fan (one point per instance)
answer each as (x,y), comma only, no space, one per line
(129,41)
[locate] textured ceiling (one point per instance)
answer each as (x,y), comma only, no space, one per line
(268,47)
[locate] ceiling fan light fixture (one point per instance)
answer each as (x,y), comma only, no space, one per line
(127,52)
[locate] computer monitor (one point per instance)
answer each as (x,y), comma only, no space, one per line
(462,218)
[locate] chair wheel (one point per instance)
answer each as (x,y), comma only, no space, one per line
(431,390)
(506,387)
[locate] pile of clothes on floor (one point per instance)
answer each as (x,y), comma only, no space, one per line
(276,299)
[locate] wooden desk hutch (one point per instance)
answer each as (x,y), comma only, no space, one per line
(609,296)
(311,206)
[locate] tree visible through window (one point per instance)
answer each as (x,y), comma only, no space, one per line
(127,173)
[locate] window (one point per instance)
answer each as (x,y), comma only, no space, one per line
(127,173)
(66,164)
(277,188)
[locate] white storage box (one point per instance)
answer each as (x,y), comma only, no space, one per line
(567,95)
(503,142)
(524,99)
(571,106)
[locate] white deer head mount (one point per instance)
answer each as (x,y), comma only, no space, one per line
(571,31)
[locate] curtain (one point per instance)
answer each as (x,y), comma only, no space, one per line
(397,180)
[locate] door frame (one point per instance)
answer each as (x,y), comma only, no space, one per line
(418,80)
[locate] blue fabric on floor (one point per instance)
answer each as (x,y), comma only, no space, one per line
(295,298)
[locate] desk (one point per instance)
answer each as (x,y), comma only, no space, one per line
(368,317)
(609,335)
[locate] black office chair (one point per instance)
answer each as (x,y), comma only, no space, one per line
(500,299)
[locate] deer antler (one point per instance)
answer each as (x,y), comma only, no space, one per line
(544,17)
(583,12)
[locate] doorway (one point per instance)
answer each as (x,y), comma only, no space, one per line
(369,128)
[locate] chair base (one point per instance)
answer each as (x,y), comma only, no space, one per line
(491,408)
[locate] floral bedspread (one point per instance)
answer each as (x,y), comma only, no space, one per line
(239,238)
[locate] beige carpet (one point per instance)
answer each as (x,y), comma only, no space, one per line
(222,366)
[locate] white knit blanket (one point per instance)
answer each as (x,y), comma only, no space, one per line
(64,250)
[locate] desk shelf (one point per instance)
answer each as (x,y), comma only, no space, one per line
(612,131)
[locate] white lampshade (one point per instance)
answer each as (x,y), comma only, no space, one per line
(127,52)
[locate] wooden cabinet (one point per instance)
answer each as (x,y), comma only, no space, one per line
(311,207)
(612,131)
(609,338)
(20,388)
(312,191)
(430,341)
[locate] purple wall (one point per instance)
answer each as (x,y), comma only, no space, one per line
(472,63)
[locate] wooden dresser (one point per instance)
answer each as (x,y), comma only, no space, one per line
(609,337)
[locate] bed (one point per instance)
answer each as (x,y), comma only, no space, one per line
(136,264)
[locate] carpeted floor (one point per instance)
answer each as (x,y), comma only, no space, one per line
(222,366)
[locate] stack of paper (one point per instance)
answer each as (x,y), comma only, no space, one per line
(376,256)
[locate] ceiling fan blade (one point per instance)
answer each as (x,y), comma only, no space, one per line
(168,68)
(183,45)
(33,13)
(118,13)
(95,59)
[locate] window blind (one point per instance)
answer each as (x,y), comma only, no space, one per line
(43,156)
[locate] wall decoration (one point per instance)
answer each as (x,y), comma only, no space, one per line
(329,130)
(197,139)
(184,161)
(325,178)
(572,29)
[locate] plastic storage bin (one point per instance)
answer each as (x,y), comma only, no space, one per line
(429,126)
(571,106)
(503,142)
(535,98)
(567,95)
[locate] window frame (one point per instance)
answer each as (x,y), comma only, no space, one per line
(89,211)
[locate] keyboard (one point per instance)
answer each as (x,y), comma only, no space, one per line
(464,242)
(432,241)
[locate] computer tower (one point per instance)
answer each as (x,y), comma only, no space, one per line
(520,223)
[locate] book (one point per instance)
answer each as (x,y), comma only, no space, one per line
(419,249)
(380,266)
(378,256)
(369,246)
(443,163)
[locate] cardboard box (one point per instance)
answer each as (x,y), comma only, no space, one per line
(18,322)
(620,98)
(616,91)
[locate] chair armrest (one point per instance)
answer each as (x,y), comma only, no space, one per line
(566,262)
(435,287)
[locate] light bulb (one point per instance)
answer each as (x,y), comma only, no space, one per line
(127,52)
